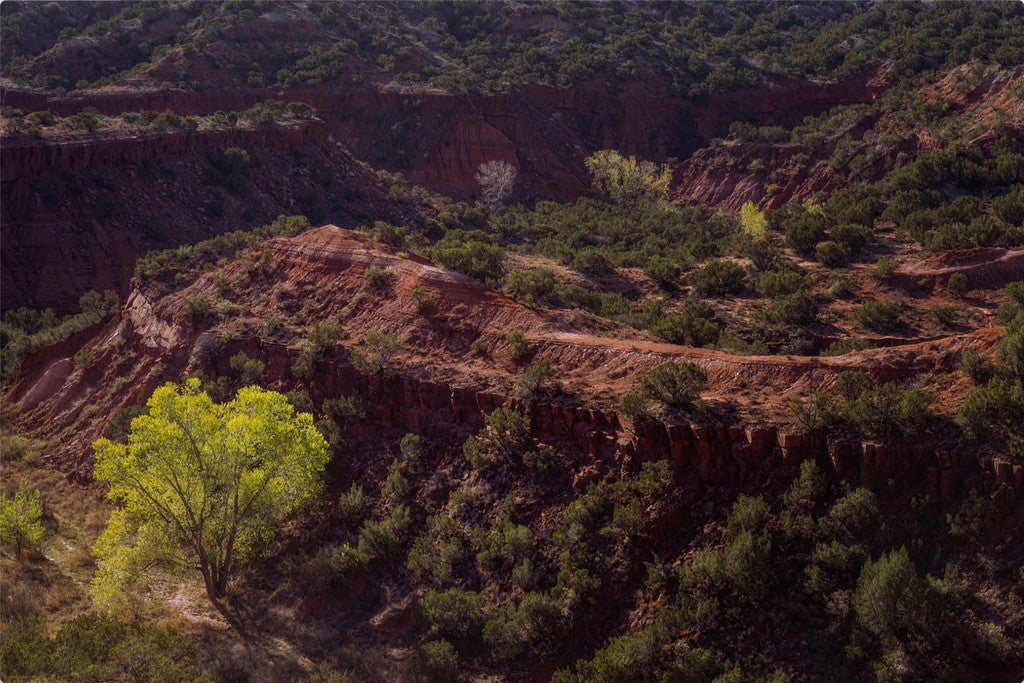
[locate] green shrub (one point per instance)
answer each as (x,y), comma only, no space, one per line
(533,380)
(473,252)
(957,285)
(906,613)
(808,489)
(748,514)
(518,347)
(995,411)
(852,383)
(944,316)
(425,301)
(196,308)
(647,654)
(764,254)
(803,231)
(677,385)
(376,356)
(695,325)
(976,366)
(439,661)
(120,422)
(778,283)
(89,119)
(382,539)
(816,412)
(193,258)
(889,412)
(396,487)
(16,447)
(338,566)
(832,254)
(852,236)
(851,517)
(20,514)
(662,270)
(353,506)
(529,285)
(633,406)
(886,267)
(605,304)
(99,305)
(833,565)
(454,614)
(377,280)
(229,168)
(1015,290)
(718,278)
(592,261)
(506,545)
(841,286)
(508,431)
(25,650)
(99,647)
(881,316)
(1011,347)
(888,593)
(746,563)
(847,345)
(974,519)
(791,309)
(322,339)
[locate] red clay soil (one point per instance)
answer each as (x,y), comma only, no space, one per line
(321,273)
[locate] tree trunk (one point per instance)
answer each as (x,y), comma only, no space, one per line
(222,581)
(209,579)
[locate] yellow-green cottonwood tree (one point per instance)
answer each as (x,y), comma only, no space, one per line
(203,484)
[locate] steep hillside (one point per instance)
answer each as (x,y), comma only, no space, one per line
(79,211)
(455,348)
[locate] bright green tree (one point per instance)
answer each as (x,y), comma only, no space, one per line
(753,221)
(624,180)
(19,519)
(203,485)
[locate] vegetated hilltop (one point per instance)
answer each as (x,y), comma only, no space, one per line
(495,46)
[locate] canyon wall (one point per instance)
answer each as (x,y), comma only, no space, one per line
(438,139)
(22,159)
(78,213)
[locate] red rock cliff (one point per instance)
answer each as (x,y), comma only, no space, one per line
(438,139)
